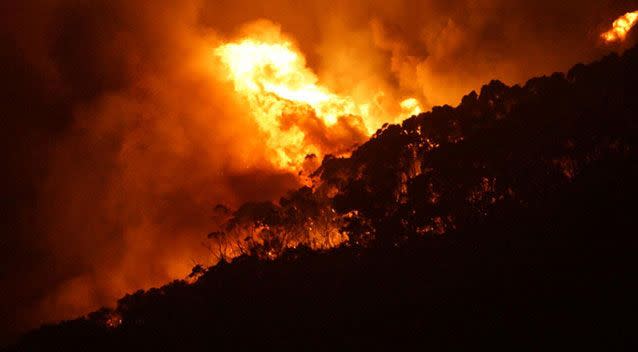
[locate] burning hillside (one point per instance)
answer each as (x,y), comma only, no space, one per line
(127,121)
(403,183)
(505,218)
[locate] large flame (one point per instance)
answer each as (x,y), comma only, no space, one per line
(621,28)
(272,76)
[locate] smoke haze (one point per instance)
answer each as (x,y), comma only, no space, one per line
(121,131)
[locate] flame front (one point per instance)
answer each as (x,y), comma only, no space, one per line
(621,28)
(281,90)
(274,79)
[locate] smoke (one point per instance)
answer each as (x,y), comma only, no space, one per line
(152,140)
(121,133)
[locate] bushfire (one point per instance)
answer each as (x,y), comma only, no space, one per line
(621,28)
(288,102)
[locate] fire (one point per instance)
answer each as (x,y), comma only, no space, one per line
(280,90)
(411,106)
(275,81)
(621,27)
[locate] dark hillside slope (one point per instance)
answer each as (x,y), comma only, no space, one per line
(508,220)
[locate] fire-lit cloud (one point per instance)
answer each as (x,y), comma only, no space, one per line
(621,28)
(129,120)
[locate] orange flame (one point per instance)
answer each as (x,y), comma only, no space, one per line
(272,77)
(621,28)
(411,106)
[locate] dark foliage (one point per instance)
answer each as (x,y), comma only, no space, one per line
(508,220)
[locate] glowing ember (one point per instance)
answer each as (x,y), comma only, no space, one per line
(281,90)
(621,28)
(113,320)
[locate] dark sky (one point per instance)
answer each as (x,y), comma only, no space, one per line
(117,141)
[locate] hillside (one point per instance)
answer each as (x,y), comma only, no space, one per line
(508,219)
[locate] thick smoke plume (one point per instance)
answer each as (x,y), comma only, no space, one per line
(122,132)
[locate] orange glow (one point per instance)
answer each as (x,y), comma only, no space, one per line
(411,106)
(621,28)
(280,90)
